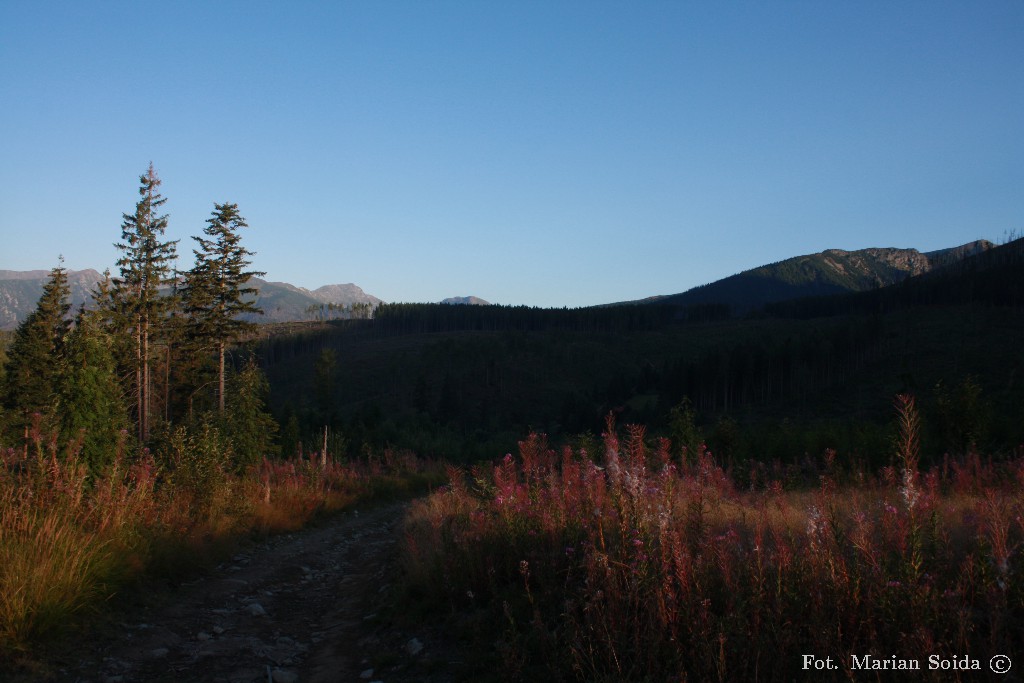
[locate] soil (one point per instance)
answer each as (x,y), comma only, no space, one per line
(311,607)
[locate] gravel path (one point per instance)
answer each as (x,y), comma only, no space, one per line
(301,607)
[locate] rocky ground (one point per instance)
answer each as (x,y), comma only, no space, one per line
(305,607)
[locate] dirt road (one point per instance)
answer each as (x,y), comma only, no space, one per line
(302,607)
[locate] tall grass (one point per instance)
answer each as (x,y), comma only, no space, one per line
(69,540)
(634,565)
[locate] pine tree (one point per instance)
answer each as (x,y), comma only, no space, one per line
(145,266)
(215,291)
(31,371)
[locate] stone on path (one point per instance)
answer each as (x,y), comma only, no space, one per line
(284,676)
(414,646)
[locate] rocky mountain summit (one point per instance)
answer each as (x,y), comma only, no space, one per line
(466,301)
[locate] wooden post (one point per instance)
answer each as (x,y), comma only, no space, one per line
(323,453)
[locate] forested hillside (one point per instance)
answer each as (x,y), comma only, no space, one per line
(816,373)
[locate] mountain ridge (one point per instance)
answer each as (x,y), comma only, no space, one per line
(20,292)
(281,301)
(832,271)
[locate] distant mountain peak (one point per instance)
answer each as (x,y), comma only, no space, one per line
(466,301)
(285,302)
(344,293)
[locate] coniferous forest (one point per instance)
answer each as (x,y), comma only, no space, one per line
(643,491)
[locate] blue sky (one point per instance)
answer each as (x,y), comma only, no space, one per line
(540,153)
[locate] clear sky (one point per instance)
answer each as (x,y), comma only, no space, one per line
(530,152)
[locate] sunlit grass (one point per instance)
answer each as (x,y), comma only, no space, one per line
(49,568)
(69,541)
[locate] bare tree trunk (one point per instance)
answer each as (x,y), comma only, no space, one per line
(220,379)
(167,383)
(145,380)
(139,390)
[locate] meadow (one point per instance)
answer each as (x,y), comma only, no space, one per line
(624,558)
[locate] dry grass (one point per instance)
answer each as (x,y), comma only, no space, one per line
(68,541)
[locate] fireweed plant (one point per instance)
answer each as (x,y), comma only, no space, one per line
(633,564)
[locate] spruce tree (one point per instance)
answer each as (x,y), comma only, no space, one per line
(251,428)
(216,292)
(90,405)
(31,371)
(145,266)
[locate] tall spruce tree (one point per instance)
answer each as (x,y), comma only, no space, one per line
(216,291)
(33,359)
(145,265)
